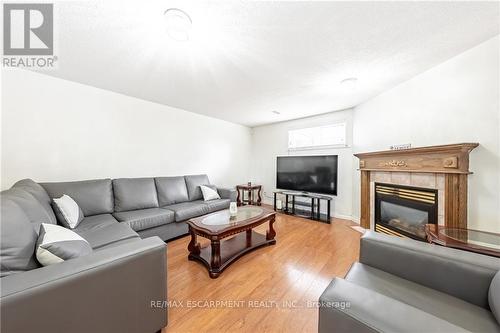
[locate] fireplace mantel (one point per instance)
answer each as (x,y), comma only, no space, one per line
(452,161)
(436,159)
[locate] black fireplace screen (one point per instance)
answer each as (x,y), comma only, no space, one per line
(404,210)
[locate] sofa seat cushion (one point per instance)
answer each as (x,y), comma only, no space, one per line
(451,309)
(96,222)
(104,229)
(145,218)
(186,210)
(218,204)
(119,243)
(134,193)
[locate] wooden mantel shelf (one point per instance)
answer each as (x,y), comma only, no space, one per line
(435,159)
(450,160)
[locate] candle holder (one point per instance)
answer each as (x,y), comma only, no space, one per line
(233,210)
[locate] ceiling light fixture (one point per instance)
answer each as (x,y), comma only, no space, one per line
(349,83)
(179,24)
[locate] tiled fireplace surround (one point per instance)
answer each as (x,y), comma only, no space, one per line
(416,179)
(444,168)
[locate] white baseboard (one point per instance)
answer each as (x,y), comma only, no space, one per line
(342,216)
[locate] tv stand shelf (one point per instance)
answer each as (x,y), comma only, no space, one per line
(295,207)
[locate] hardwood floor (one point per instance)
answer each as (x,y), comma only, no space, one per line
(269,288)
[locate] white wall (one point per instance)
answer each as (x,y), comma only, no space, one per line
(57,130)
(272,140)
(456,101)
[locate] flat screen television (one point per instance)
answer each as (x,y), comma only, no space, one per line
(315,174)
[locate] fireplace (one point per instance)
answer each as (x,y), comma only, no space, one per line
(405,210)
(445,168)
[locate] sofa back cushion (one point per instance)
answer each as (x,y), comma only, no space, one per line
(18,238)
(93,196)
(406,258)
(494,296)
(40,194)
(30,206)
(193,183)
(134,193)
(171,190)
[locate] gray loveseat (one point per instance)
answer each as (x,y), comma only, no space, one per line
(121,285)
(401,285)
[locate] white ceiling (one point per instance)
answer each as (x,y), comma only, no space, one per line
(246,59)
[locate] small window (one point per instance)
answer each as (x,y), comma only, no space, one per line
(314,137)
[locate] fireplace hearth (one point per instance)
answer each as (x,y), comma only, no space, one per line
(405,210)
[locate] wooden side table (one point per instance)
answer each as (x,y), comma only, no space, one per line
(250,191)
(465,239)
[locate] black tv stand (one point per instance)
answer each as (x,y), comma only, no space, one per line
(299,208)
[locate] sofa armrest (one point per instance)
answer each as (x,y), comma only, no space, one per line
(462,274)
(348,307)
(110,290)
(227,193)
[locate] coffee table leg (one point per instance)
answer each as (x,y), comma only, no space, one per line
(194,246)
(215,259)
(249,237)
(270,234)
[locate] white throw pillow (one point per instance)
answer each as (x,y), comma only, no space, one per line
(68,211)
(209,193)
(56,244)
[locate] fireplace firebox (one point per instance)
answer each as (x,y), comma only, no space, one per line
(404,210)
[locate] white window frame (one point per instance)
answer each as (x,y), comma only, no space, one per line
(317,142)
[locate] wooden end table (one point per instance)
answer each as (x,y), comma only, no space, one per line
(219,225)
(465,239)
(250,190)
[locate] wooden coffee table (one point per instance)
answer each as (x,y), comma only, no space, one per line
(217,226)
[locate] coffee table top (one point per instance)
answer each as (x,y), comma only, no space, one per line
(221,221)
(467,239)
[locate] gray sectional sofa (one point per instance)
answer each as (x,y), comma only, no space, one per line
(402,285)
(121,285)
(148,206)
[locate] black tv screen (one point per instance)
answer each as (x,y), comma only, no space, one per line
(316,174)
